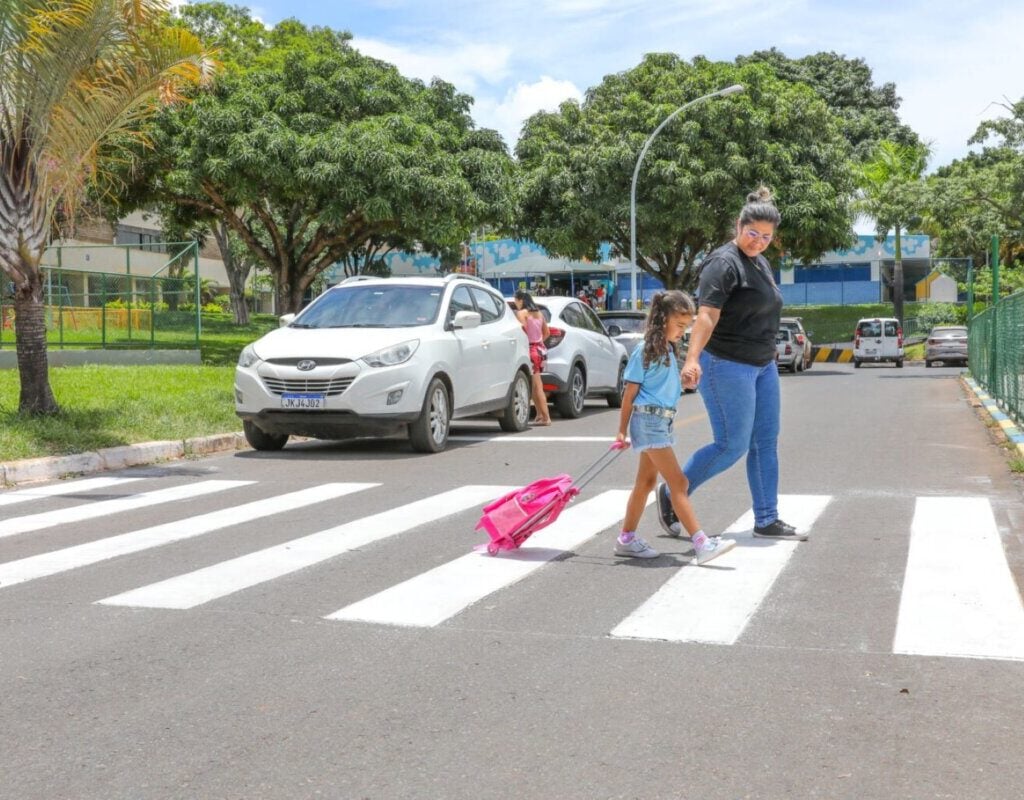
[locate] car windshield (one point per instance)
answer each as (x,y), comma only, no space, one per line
(872,328)
(625,323)
(375,306)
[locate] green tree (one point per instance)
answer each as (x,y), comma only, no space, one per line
(310,152)
(868,113)
(892,193)
(983,194)
(73,75)
(578,165)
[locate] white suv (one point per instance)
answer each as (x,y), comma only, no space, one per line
(374,356)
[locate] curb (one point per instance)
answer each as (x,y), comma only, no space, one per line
(50,468)
(833,355)
(1010,428)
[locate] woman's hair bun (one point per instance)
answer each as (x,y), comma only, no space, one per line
(762,194)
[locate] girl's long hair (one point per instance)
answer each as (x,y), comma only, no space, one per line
(527,300)
(663,305)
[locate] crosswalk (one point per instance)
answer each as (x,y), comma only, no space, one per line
(948,606)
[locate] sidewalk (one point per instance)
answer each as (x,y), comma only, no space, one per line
(50,468)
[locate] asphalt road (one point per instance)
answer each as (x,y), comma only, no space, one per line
(312,623)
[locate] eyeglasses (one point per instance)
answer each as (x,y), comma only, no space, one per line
(754,236)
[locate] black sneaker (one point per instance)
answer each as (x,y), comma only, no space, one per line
(780,530)
(666,515)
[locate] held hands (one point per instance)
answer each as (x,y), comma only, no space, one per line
(621,442)
(690,374)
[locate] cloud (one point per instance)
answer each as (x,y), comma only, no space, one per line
(466,65)
(521,101)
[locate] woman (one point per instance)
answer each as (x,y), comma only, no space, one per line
(537,332)
(731,359)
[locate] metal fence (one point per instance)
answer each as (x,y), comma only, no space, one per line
(115,310)
(996,342)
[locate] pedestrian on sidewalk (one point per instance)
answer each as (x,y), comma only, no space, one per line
(648,406)
(532,319)
(731,359)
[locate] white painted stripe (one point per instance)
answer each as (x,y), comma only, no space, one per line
(532,439)
(26,569)
(432,597)
(174,494)
(714,603)
(219,580)
(60,489)
(959,597)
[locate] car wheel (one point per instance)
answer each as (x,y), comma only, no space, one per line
(927,364)
(615,398)
(856,363)
(899,363)
(259,439)
(570,402)
(429,432)
(517,410)
(798,365)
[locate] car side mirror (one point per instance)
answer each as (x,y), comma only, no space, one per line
(285,320)
(466,319)
(614,330)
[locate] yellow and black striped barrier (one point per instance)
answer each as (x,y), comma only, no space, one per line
(835,355)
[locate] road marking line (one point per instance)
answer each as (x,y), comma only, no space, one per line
(26,569)
(61,489)
(959,598)
(713,604)
(439,594)
(48,519)
(227,577)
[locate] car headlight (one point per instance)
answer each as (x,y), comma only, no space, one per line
(390,356)
(248,357)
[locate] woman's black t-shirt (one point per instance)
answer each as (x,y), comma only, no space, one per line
(744,290)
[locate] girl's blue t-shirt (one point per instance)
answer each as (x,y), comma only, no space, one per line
(659,383)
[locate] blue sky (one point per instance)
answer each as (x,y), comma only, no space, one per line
(951,61)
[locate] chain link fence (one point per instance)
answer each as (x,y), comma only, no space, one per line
(996,350)
(87,308)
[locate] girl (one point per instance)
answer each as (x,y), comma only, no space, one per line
(648,406)
(536,327)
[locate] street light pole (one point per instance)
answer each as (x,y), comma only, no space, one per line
(636,172)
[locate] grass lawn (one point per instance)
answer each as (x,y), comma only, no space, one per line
(106,406)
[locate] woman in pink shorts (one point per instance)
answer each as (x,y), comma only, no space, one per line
(536,327)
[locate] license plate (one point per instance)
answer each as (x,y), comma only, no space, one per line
(870,351)
(306,402)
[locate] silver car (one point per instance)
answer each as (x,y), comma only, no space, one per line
(583,360)
(625,327)
(947,343)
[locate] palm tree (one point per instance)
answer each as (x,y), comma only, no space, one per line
(75,75)
(891,192)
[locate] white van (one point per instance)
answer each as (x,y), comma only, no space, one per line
(878,339)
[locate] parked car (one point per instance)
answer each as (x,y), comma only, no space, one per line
(583,360)
(625,327)
(376,356)
(946,343)
(878,339)
(788,355)
(801,340)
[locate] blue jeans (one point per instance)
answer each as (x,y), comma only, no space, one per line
(743,405)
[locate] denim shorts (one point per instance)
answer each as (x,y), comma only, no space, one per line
(649,431)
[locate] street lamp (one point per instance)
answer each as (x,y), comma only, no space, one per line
(636,172)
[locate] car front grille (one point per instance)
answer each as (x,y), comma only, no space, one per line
(329,387)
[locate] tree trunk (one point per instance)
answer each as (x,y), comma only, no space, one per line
(237,270)
(30,337)
(897,280)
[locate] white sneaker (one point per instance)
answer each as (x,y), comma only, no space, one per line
(712,549)
(635,548)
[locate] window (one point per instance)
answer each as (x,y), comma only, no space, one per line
(373,306)
(461,301)
(592,321)
(891,328)
(870,328)
(491,308)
